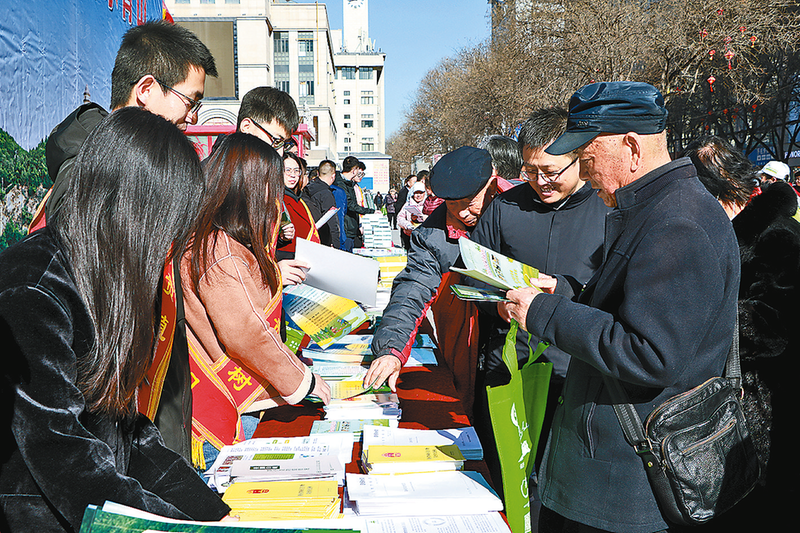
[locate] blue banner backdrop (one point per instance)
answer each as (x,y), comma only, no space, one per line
(52,51)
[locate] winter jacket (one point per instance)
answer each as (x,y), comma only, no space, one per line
(565,238)
(658,316)
(352,220)
(56,456)
(319,199)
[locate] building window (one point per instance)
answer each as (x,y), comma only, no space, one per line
(348,73)
(347,139)
(305,65)
(367,123)
(367,147)
(367,100)
(348,149)
(365,73)
(347,117)
(281,60)
(346,101)
(207,1)
(346,125)
(347,93)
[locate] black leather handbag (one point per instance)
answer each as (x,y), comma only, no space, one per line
(695,447)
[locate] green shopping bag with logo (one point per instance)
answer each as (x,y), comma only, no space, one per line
(517,413)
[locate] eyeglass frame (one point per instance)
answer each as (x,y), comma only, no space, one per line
(286,144)
(193,105)
(548,179)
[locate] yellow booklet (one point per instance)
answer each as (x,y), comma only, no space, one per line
(251,493)
(388,459)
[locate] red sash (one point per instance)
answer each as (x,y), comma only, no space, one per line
(222,391)
(150,390)
(303,220)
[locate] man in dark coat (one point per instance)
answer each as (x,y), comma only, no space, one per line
(553,222)
(658,316)
(464,179)
(319,198)
(348,180)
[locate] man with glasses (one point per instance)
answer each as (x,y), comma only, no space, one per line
(553,222)
(160,67)
(271,115)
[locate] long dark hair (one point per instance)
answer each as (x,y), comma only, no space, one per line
(137,180)
(244,177)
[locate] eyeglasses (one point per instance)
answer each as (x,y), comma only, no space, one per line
(276,142)
(549,177)
(292,171)
(193,106)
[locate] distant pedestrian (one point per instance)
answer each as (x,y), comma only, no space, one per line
(390,202)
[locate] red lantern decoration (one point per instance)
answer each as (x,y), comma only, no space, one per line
(703,33)
(711,80)
(753,41)
(711,54)
(729,56)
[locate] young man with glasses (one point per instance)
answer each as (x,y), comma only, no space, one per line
(553,222)
(348,181)
(160,67)
(271,115)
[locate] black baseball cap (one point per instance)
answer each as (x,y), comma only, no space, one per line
(461,173)
(611,107)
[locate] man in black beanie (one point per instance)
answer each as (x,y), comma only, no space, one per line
(463,178)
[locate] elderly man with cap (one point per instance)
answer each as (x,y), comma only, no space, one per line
(464,179)
(658,316)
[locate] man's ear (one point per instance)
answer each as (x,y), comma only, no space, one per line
(246,125)
(633,142)
(142,90)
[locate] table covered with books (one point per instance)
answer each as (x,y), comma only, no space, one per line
(371,461)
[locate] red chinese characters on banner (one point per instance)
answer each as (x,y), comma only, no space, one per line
(127,10)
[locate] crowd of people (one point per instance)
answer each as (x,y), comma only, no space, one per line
(143,317)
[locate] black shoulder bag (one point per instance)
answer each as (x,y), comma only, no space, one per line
(695,447)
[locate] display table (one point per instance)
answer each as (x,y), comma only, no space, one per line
(427,398)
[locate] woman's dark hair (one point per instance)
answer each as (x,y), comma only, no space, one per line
(137,182)
(301,164)
(244,187)
(724,171)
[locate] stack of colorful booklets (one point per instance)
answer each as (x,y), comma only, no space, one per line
(282,500)
(466,439)
(381,459)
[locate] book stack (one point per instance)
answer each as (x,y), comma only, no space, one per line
(437,493)
(466,439)
(378,405)
(380,459)
(282,500)
(279,467)
(355,426)
(377,232)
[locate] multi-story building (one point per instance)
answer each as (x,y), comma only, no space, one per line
(360,106)
(264,42)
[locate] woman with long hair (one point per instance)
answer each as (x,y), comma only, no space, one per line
(79,304)
(232,299)
(298,212)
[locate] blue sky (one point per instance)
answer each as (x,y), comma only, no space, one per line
(415,35)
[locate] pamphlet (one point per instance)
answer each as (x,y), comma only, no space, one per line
(322,316)
(475,294)
(493,268)
(326,217)
(465,438)
(338,272)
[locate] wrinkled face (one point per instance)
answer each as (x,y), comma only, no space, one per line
(469,210)
(553,177)
(602,166)
(291,173)
(175,105)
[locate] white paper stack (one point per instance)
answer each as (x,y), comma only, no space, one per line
(295,469)
(465,438)
(437,493)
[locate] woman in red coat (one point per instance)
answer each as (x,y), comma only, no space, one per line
(297,210)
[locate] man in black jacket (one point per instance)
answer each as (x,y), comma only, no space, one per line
(552,222)
(320,200)
(658,316)
(348,181)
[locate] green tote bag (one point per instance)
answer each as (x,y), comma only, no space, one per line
(517,413)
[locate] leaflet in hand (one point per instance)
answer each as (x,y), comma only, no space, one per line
(475,294)
(493,268)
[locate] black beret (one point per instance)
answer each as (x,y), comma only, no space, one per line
(611,107)
(461,174)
